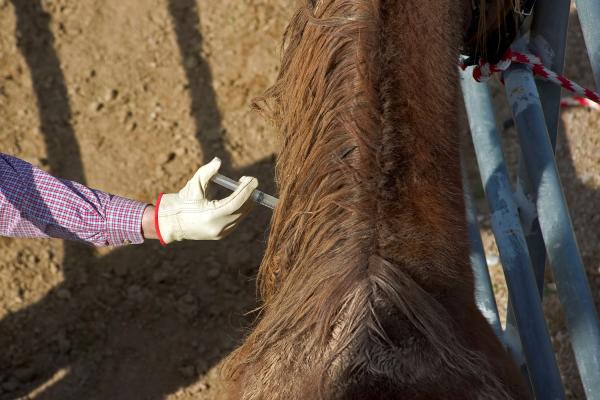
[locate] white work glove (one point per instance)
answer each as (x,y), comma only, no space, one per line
(190,215)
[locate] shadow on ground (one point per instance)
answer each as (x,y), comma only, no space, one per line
(142,317)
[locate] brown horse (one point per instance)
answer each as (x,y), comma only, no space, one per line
(366,282)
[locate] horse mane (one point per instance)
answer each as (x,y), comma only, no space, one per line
(492,17)
(366,283)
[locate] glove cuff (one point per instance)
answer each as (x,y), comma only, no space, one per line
(156,226)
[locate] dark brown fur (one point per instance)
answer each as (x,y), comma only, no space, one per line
(366,282)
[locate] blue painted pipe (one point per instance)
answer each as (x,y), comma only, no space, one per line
(544,374)
(555,223)
(548,38)
(589,16)
(484,293)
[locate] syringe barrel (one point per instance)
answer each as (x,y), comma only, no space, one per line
(258,196)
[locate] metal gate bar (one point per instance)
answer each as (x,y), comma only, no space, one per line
(555,222)
(484,293)
(589,16)
(546,228)
(538,352)
(547,39)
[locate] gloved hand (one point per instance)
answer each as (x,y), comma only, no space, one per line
(190,215)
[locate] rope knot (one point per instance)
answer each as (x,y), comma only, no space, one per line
(483,71)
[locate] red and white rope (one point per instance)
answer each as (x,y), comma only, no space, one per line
(584,96)
(578,101)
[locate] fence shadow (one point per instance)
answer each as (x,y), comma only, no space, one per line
(149,320)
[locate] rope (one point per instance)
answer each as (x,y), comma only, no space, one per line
(578,101)
(483,71)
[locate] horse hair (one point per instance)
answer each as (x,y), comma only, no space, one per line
(366,283)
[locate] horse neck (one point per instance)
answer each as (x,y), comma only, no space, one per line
(368,240)
(370,139)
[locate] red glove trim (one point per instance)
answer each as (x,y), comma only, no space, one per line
(160,239)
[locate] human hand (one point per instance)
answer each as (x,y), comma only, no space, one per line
(190,215)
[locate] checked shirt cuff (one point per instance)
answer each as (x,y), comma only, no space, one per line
(124,221)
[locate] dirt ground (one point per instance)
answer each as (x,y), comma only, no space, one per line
(130,97)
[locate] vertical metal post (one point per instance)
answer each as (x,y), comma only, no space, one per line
(484,293)
(520,280)
(589,16)
(555,223)
(548,38)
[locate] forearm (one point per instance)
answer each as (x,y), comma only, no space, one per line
(36,204)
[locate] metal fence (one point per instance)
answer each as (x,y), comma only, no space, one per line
(531,223)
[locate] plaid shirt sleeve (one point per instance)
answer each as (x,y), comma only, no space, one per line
(36,204)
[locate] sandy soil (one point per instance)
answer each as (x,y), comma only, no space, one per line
(130,97)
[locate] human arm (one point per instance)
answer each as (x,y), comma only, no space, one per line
(36,204)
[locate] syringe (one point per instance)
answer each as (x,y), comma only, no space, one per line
(258,196)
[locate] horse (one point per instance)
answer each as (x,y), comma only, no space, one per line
(366,287)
